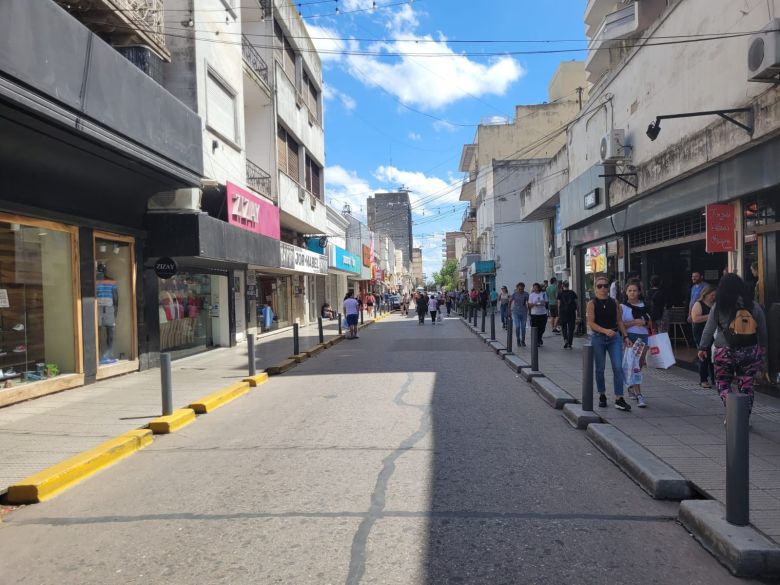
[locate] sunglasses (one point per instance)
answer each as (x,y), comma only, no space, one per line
(602,286)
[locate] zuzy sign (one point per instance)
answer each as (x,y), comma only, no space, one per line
(251,212)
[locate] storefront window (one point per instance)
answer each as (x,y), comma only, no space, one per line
(115,300)
(273,303)
(187,303)
(38,336)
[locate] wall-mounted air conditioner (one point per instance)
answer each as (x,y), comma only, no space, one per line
(613,146)
(763,55)
(301,193)
(179,201)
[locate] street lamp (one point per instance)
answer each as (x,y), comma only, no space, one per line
(654,129)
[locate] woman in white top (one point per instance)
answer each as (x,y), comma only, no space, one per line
(433,305)
(636,318)
(537,304)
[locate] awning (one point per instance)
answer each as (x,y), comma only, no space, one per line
(484,267)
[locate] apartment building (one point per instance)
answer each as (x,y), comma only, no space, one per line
(391,214)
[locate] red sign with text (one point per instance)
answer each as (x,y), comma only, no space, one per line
(721,228)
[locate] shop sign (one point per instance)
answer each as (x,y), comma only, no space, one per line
(379,274)
(591,199)
(251,213)
(721,228)
(343,260)
(302,260)
(165,268)
(366,256)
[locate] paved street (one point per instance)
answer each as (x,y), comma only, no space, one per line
(409,456)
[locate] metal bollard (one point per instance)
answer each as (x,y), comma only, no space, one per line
(166,382)
(534,350)
(587,378)
(338,316)
(476,316)
(492,326)
(509,334)
(737,459)
(250,348)
(319,329)
(296,344)
(484,314)
(361,316)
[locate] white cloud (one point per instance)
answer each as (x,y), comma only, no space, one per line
(357,4)
(345,187)
(443,125)
(330,93)
(414,136)
(327,42)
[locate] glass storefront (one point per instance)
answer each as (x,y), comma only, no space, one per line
(189,307)
(115,300)
(273,302)
(39,338)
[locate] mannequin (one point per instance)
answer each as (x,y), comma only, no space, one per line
(107,295)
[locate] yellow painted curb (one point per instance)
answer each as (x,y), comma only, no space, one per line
(48,483)
(219,398)
(255,381)
(173,422)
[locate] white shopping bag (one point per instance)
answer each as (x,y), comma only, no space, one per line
(632,373)
(344,324)
(660,354)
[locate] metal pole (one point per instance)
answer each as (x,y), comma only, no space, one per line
(476,316)
(587,378)
(534,351)
(319,329)
(166,383)
(250,348)
(296,345)
(493,326)
(737,459)
(361,315)
(509,334)
(338,315)
(484,315)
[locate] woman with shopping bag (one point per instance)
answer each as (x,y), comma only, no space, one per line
(638,323)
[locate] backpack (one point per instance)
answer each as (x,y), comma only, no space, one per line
(742,330)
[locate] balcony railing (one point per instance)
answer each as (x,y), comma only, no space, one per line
(253,59)
(258,179)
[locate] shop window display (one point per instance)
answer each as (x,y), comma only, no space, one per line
(114,299)
(186,303)
(37,310)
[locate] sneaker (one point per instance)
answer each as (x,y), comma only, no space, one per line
(602,400)
(705,384)
(18,327)
(522,344)
(631,393)
(641,401)
(621,404)
(20,349)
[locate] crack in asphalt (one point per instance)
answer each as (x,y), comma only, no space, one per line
(357,559)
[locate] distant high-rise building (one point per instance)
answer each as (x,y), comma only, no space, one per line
(417,267)
(391,214)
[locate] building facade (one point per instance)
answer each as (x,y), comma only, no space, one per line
(390,214)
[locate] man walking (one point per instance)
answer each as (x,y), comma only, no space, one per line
(697,285)
(518,305)
(351,311)
(422,307)
(552,298)
(433,305)
(567,313)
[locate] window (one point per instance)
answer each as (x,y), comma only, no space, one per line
(114,286)
(221,108)
(286,52)
(313,172)
(288,154)
(311,95)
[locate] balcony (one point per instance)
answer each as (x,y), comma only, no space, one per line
(124,22)
(468,191)
(258,180)
(253,60)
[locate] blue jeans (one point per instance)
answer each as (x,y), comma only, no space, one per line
(519,320)
(504,309)
(603,345)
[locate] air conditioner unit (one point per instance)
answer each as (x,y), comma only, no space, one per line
(298,99)
(313,201)
(301,193)
(763,56)
(312,118)
(181,201)
(613,146)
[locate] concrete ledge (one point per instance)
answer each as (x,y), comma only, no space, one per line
(651,473)
(578,418)
(554,395)
(529,375)
(742,549)
(496,346)
(485,336)
(219,398)
(515,363)
(255,381)
(337,339)
(298,357)
(312,351)
(280,368)
(173,422)
(51,481)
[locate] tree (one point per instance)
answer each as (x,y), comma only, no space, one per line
(447,277)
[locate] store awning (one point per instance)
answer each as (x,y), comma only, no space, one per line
(484,267)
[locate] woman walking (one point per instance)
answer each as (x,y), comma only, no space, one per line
(638,323)
(519,310)
(433,305)
(503,303)
(606,324)
(537,304)
(741,339)
(699,314)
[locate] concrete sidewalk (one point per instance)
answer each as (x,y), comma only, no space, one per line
(42,432)
(682,425)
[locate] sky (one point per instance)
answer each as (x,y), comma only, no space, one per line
(407,82)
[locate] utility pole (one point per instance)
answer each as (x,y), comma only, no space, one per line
(579,96)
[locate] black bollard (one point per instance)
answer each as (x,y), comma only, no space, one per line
(296,345)
(319,329)
(166,383)
(737,459)
(493,326)
(534,350)
(509,334)
(338,316)
(250,349)
(361,316)
(587,378)
(484,315)
(476,316)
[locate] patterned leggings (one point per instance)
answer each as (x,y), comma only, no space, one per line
(742,363)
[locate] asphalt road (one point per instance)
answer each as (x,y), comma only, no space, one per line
(409,456)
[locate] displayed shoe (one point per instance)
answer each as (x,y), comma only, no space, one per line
(18,327)
(640,400)
(20,349)
(602,400)
(621,404)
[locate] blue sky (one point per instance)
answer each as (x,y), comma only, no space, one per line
(407,83)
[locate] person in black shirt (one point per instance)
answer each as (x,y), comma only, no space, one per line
(567,313)
(657,300)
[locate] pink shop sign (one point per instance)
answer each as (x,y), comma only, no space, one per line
(251,213)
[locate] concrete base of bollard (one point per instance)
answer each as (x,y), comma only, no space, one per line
(578,418)
(553,394)
(515,363)
(496,346)
(652,474)
(529,375)
(742,549)
(485,337)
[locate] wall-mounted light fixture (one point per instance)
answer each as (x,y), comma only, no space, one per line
(654,129)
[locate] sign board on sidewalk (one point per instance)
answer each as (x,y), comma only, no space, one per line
(721,228)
